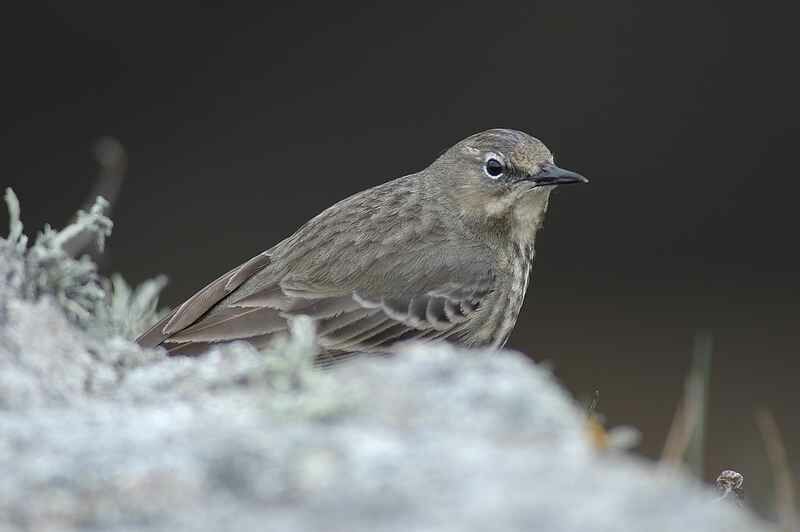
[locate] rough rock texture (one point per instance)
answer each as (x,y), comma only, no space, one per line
(109,437)
(97,434)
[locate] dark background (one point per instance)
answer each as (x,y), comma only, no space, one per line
(242,124)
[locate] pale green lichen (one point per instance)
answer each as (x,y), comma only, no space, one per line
(126,311)
(16,239)
(299,387)
(46,269)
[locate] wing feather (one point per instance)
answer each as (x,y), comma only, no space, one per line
(205,299)
(232,324)
(251,303)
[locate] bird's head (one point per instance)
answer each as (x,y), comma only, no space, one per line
(500,175)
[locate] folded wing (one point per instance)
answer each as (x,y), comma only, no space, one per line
(348,319)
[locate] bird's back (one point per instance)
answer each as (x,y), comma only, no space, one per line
(441,254)
(385,265)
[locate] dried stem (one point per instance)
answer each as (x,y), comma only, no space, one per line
(112,165)
(686,418)
(685,439)
(784,486)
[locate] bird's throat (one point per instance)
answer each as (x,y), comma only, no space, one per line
(527,216)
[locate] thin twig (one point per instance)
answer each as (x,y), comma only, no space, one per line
(701,365)
(112,164)
(591,408)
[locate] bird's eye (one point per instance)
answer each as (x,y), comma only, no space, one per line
(493,168)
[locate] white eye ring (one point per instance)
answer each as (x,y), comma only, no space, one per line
(493,166)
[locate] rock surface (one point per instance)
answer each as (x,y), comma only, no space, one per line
(99,435)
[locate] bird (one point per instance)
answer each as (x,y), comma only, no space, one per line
(443,254)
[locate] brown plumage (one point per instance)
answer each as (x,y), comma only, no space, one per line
(442,254)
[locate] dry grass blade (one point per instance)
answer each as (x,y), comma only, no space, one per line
(784,486)
(685,440)
(684,423)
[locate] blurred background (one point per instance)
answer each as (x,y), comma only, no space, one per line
(240,124)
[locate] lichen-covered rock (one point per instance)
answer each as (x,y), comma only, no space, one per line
(108,437)
(97,434)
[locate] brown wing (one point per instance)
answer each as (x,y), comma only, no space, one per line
(203,301)
(347,320)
